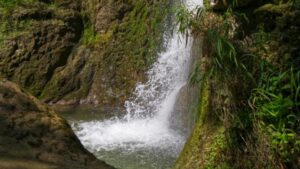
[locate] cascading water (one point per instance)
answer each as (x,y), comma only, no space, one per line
(144,134)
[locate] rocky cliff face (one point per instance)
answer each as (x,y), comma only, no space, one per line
(34,136)
(70,51)
(47,36)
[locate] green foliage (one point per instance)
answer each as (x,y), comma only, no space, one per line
(225,58)
(224,53)
(187,19)
(233,3)
(277,104)
(261,37)
(184,19)
(275,100)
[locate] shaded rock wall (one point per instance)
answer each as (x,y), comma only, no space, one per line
(185,111)
(89,52)
(46,38)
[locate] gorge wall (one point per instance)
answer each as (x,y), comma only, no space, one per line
(71,51)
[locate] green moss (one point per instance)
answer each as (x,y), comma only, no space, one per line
(120,54)
(11,29)
(276,9)
(205,145)
(53,6)
(213,157)
(6,6)
(89,35)
(142,30)
(72,83)
(104,37)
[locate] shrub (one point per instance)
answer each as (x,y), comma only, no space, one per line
(276,102)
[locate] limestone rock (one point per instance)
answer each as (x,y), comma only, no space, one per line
(32,133)
(72,51)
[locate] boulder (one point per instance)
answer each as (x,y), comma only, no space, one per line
(34,136)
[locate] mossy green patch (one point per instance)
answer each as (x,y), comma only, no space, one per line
(90,36)
(12,28)
(214,159)
(275,9)
(143,29)
(6,6)
(205,145)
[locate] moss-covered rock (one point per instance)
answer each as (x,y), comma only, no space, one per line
(45,40)
(70,52)
(32,136)
(205,148)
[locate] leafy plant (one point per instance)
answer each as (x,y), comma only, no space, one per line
(195,77)
(187,20)
(219,35)
(276,103)
(183,18)
(224,56)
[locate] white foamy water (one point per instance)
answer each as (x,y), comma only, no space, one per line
(146,123)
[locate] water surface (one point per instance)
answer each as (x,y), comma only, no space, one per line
(133,154)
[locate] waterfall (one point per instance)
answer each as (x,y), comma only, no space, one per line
(147,121)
